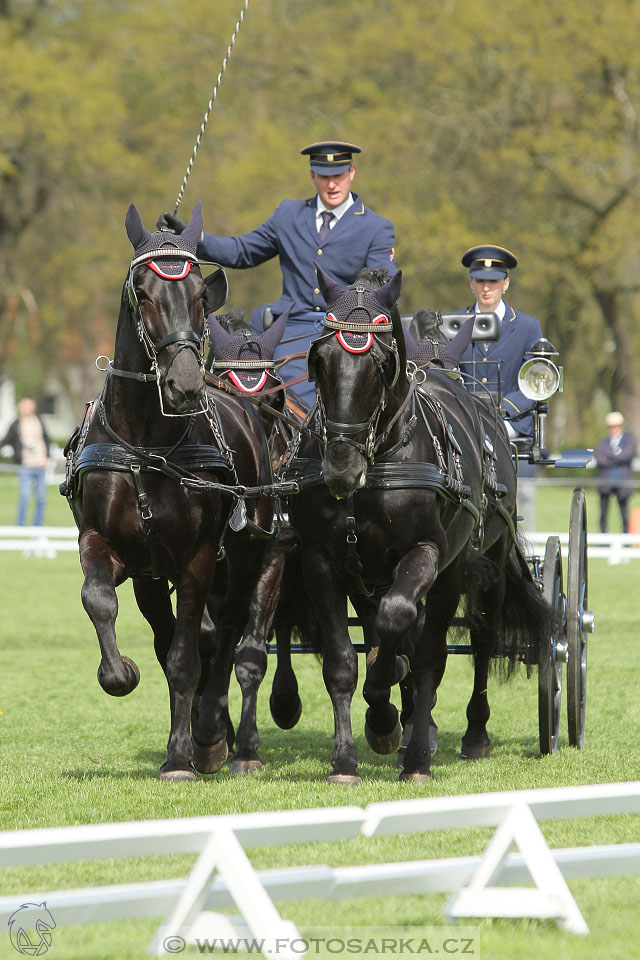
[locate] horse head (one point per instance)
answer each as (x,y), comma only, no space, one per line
(358,368)
(439,352)
(246,358)
(168,298)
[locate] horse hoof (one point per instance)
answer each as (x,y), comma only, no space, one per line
(178,776)
(482,752)
(209,759)
(242,767)
(415,777)
(132,680)
(383,743)
(287,718)
(345,779)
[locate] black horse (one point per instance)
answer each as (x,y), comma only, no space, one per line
(153,474)
(422,518)
(280,607)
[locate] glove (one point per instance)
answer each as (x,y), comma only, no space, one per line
(170,223)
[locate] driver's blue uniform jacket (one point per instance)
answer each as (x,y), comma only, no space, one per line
(360,238)
(519,333)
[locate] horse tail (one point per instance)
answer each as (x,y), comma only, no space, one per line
(517,630)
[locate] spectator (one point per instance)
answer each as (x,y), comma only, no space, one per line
(334,227)
(28,437)
(613,456)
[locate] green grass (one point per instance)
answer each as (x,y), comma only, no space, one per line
(71,755)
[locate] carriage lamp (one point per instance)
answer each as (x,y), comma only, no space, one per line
(539,378)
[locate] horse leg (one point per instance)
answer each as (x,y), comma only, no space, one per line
(183,663)
(250,659)
(154,602)
(428,665)
(367,609)
(103,570)
(396,621)
(285,703)
(476,744)
(339,662)
(244,559)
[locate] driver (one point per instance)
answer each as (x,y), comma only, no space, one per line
(489,280)
(334,227)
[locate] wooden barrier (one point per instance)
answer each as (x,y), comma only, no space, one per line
(222,877)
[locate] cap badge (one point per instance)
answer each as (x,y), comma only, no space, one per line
(330,157)
(488,263)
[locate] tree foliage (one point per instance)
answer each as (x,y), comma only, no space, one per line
(480,122)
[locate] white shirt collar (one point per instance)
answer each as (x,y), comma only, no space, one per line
(336,211)
(500,310)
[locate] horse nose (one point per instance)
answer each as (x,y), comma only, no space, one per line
(343,478)
(183,397)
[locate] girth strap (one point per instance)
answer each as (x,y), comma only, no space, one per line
(184,459)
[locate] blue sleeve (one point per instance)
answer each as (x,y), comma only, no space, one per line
(248,250)
(381,251)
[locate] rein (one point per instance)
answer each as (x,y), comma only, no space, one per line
(256,400)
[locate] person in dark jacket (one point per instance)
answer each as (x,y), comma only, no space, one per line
(28,437)
(489,279)
(613,456)
(333,228)
(490,269)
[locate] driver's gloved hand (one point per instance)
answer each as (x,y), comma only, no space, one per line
(170,223)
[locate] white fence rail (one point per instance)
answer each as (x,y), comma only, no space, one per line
(613,547)
(490,885)
(48,541)
(38,541)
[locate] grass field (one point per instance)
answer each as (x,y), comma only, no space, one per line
(71,755)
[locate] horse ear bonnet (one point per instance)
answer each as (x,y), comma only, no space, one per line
(442,355)
(246,346)
(144,242)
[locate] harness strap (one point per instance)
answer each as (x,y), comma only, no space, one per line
(352,563)
(188,336)
(256,400)
(149,529)
(130,375)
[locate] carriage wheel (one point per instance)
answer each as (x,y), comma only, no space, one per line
(579,619)
(549,663)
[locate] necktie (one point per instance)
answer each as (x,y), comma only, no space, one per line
(323,233)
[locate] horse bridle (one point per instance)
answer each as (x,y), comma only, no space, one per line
(334,431)
(187,339)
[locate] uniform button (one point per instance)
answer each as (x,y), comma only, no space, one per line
(484,360)
(319,252)
(484,379)
(317,290)
(317,308)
